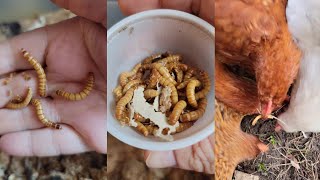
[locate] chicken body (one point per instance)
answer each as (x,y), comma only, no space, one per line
(253,34)
(303,112)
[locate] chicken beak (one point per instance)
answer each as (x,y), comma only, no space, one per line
(266,109)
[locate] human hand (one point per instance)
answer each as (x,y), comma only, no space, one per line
(69,50)
(198,157)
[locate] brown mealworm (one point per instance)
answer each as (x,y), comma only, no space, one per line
(138,117)
(194,115)
(142,129)
(185,83)
(118,92)
(150,93)
(183,126)
(190,92)
(174,94)
(154,78)
(190,72)
(150,59)
(125,75)
(177,110)
(22,104)
(131,84)
(170,59)
(37,104)
(82,94)
(121,105)
(39,70)
(205,80)
(164,72)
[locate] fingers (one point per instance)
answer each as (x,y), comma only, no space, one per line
(198,157)
(11,58)
(95,11)
(132,6)
(43,142)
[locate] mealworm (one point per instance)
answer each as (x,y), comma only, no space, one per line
(118,92)
(177,110)
(164,72)
(165,100)
(131,84)
(139,75)
(22,104)
(174,94)
(185,83)
(190,72)
(190,91)
(142,129)
(194,115)
(39,70)
(39,111)
(170,59)
(180,66)
(205,80)
(154,78)
(151,129)
(138,117)
(125,75)
(152,58)
(121,105)
(150,93)
(183,126)
(80,95)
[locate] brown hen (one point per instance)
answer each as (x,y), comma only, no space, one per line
(232,145)
(254,35)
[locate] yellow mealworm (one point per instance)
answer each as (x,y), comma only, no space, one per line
(190,72)
(150,93)
(142,129)
(190,91)
(177,110)
(194,115)
(164,72)
(185,83)
(80,95)
(139,75)
(22,104)
(131,84)
(183,126)
(170,59)
(138,117)
(174,94)
(40,72)
(151,129)
(205,80)
(152,58)
(37,104)
(154,78)
(118,92)
(121,105)
(125,75)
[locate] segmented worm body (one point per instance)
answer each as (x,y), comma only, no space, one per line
(150,93)
(82,94)
(131,84)
(190,72)
(170,59)
(125,75)
(194,115)
(42,84)
(204,78)
(185,83)
(45,121)
(138,117)
(152,58)
(164,72)
(142,129)
(183,126)
(174,94)
(121,105)
(177,110)
(118,92)
(14,104)
(190,91)
(154,79)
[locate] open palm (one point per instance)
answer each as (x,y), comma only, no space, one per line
(68,50)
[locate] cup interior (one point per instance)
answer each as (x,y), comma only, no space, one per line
(158,31)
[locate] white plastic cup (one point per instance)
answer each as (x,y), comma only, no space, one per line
(158,31)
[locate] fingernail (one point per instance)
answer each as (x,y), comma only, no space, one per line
(163,159)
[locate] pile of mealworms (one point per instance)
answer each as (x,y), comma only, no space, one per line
(182,96)
(18,102)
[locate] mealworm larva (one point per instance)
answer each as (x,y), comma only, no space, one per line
(185,83)
(118,92)
(177,110)
(170,59)
(22,104)
(80,95)
(183,126)
(205,80)
(139,75)
(125,75)
(152,58)
(154,79)
(174,94)
(194,115)
(41,117)
(40,72)
(190,72)
(131,84)
(179,73)
(138,117)
(142,129)
(150,93)
(190,91)
(164,72)
(121,105)
(151,129)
